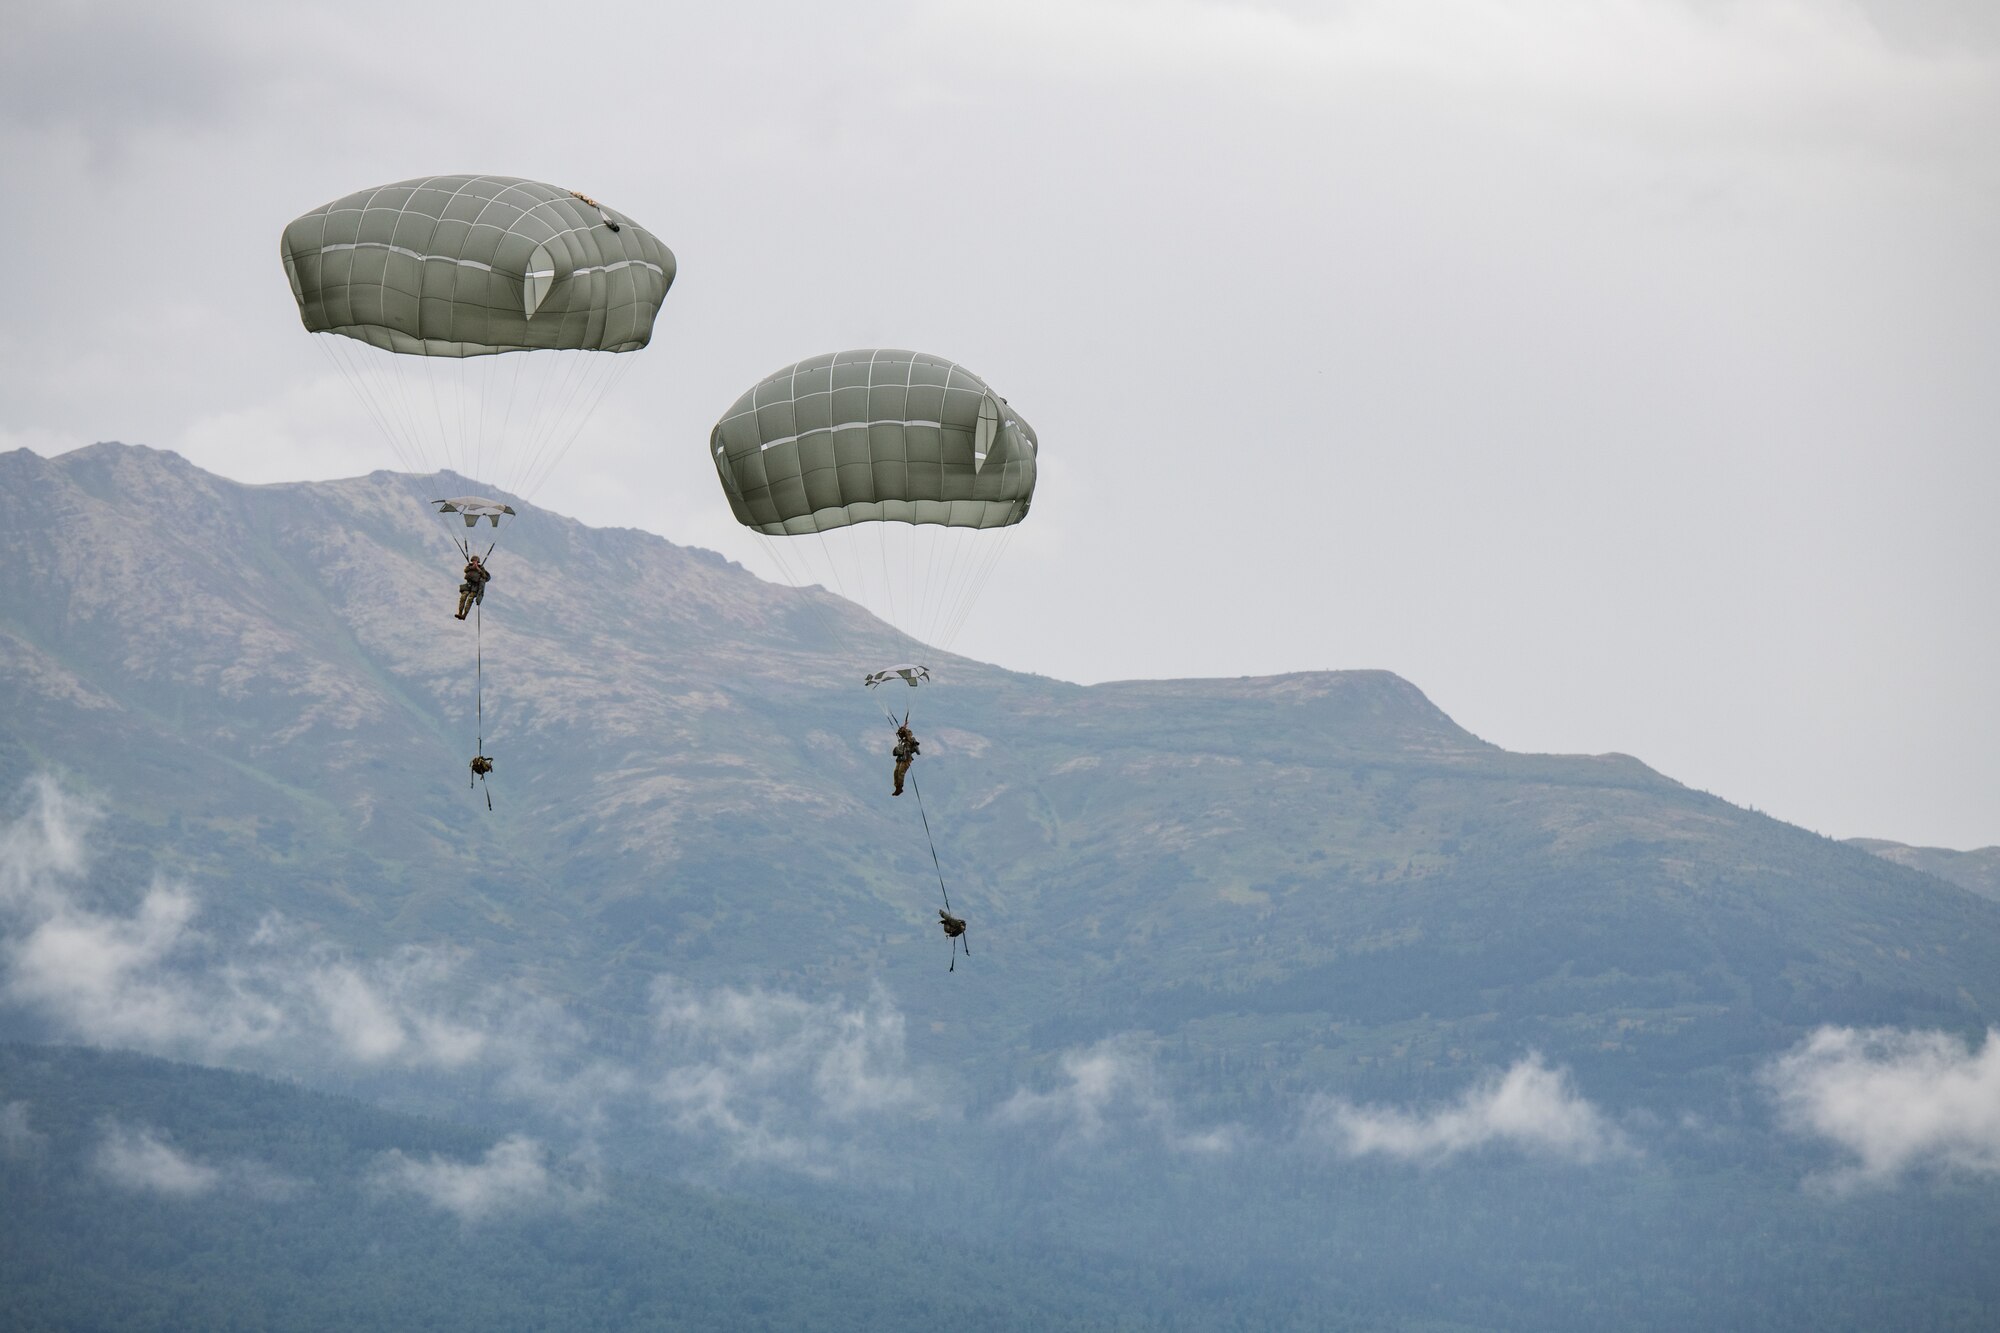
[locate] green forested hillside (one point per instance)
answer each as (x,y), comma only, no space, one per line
(298,1230)
(302,1227)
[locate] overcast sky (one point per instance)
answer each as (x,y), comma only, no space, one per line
(1621,372)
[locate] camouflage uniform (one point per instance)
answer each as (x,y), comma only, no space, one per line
(905,752)
(473,591)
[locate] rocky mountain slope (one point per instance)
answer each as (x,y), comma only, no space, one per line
(1321,874)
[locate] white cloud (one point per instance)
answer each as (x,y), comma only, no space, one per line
(1530,1108)
(149,979)
(1109,1088)
(103,977)
(771,1074)
(545,1062)
(366,1026)
(774,1077)
(1896,1100)
(42,848)
(141,1161)
(513,1176)
(392,1011)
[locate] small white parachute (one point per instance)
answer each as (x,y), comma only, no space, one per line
(908,672)
(474,507)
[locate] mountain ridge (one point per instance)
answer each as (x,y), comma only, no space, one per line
(1226,936)
(1976,870)
(690,779)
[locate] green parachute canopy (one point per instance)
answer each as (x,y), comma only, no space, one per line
(874,435)
(464,266)
(415,290)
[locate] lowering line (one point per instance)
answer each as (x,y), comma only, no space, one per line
(959,938)
(478,674)
(479,691)
(932,841)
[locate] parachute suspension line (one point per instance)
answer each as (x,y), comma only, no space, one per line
(969,579)
(371,384)
(535,409)
(537,425)
(921,581)
(551,402)
(952,589)
(775,547)
(932,580)
(986,544)
(608,380)
(994,548)
(553,432)
(931,560)
(506,414)
(456,462)
(406,410)
(833,567)
(373,399)
(395,405)
(513,390)
(1000,546)
(468,433)
(888,584)
(915,571)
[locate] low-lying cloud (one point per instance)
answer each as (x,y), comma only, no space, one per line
(769,1075)
(1894,1100)
(513,1177)
(139,1159)
(1530,1108)
(1111,1088)
(149,978)
(41,848)
(143,1160)
(763,1076)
